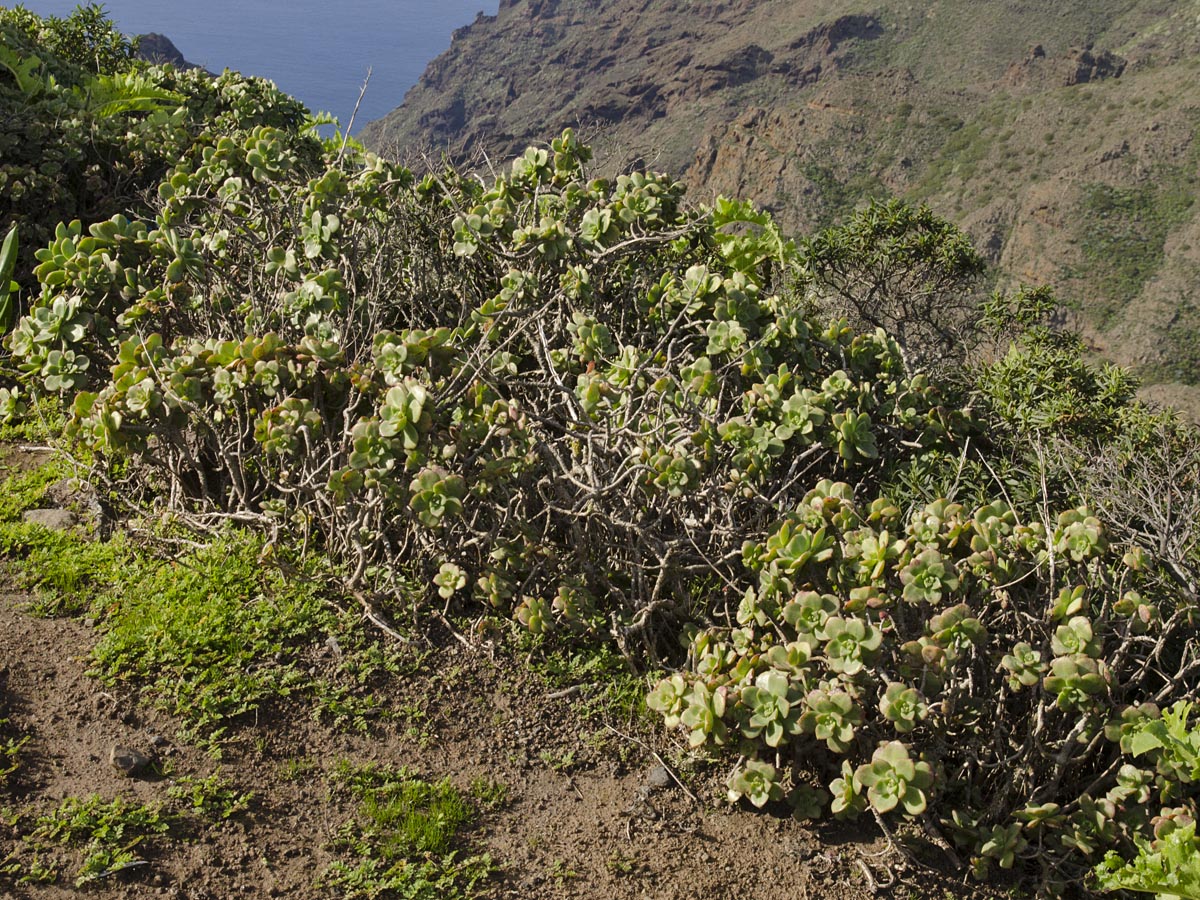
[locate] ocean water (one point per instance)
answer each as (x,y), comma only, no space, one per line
(319,51)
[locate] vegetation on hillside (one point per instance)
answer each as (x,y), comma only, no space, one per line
(90,131)
(963,594)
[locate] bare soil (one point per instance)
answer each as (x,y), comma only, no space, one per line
(585,815)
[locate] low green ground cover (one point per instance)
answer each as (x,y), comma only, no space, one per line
(206,630)
(404,839)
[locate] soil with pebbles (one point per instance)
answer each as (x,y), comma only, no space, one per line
(593,808)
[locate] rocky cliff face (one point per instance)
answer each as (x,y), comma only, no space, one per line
(1064,137)
(158,48)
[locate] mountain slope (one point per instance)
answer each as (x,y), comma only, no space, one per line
(1063,137)
(158,48)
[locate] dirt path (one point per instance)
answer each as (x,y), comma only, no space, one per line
(585,816)
(592,829)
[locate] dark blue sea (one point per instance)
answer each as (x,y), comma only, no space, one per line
(316,50)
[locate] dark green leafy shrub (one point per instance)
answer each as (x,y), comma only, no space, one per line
(85,40)
(1041,381)
(8,287)
(904,270)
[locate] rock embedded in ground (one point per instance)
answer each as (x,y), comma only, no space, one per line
(82,501)
(127,761)
(658,778)
(53,519)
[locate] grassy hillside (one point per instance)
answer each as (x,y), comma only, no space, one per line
(1063,137)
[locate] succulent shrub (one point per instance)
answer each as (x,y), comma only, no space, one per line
(892,779)
(773,708)
(756,781)
(903,706)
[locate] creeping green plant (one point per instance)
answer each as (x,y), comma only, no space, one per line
(808,612)
(1170,739)
(535,614)
(1079,534)
(1003,844)
(1168,867)
(855,439)
(12,407)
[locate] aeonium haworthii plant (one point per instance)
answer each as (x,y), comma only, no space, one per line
(774,708)
(703,715)
(892,779)
(850,644)
(831,716)
(449,580)
(903,706)
(757,781)
(667,699)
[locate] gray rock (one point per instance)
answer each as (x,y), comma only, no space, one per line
(158,48)
(82,500)
(658,778)
(127,761)
(53,519)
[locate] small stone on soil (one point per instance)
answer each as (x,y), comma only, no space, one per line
(658,778)
(127,761)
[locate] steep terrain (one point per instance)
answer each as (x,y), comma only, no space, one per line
(158,48)
(1063,136)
